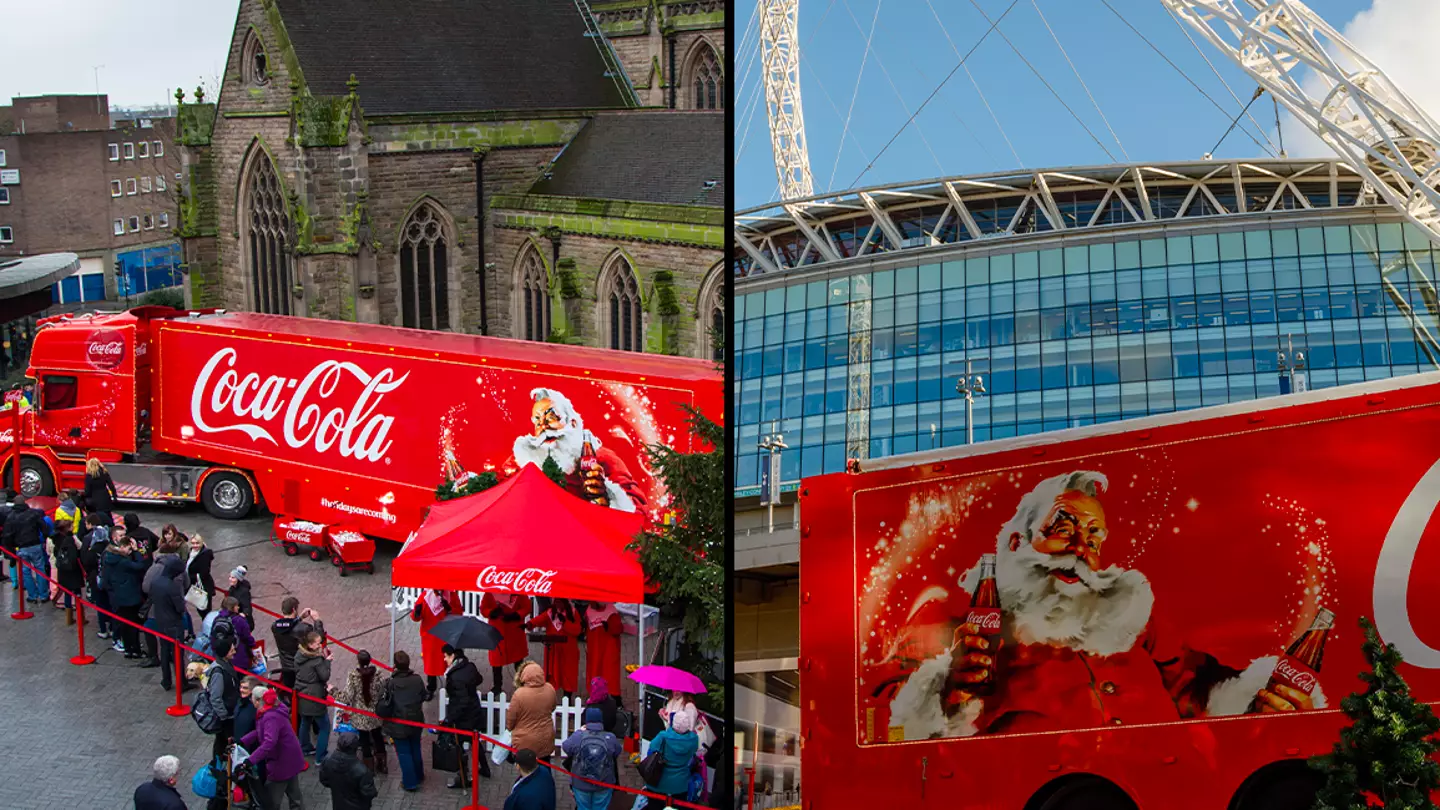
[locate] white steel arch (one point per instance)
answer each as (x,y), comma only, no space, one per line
(1369,121)
(780,60)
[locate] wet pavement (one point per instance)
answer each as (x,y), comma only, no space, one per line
(76,737)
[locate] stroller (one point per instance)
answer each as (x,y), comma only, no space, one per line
(244,781)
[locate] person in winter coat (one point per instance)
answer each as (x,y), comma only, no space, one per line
(534,787)
(99,497)
(430,608)
(592,752)
(678,745)
(92,553)
(160,793)
(166,551)
(507,613)
(65,514)
(69,511)
(240,589)
(169,532)
(531,715)
(167,611)
(312,679)
(198,560)
(292,626)
(600,698)
(405,692)
(222,683)
(561,626)
(363,687)
(462,710)
(273,743)
(680,702)
(24,534)
(69,569)
(602,645)
(244,655)
(146,539)
(122,570)
(352,787)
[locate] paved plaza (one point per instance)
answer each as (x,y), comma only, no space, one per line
(84,737)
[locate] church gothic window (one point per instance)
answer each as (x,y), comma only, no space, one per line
(425,270)
(533,291)
(621,313)
(255,63)
(711,316)
(266,238)
(707,84)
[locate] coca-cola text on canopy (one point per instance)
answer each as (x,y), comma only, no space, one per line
(526,581)
(360,432)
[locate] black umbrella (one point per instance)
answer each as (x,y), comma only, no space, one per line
(466,633)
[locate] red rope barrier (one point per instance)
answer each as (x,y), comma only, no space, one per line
(476,736)
(329,639)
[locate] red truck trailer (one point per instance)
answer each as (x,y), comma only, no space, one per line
(339,423)
(1159,613)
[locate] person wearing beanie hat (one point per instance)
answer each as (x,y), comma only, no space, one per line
(592,753)
(352,786)
(274,744)
(678,745)
(240,589)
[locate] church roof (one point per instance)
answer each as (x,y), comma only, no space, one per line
(414,56)
(659,156)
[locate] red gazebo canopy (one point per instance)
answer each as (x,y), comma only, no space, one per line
(525,535)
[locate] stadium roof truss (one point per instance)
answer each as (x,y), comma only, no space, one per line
(797,234)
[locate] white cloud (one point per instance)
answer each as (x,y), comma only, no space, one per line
(1399,37)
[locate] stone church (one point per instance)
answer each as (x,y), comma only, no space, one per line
(549,170)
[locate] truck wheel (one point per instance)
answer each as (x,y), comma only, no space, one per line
(1091,793)
(1288,785)
(227,495)
(35,478)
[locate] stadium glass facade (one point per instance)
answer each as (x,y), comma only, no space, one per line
(1074,335)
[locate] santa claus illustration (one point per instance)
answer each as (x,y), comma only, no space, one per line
(592,471)
(1079,646)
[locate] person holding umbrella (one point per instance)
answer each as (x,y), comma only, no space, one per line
(462,686)
(430,609)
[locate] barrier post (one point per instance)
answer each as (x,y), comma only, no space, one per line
(179,709)
(750,799)
(82,659)
(474,773)
(22,612)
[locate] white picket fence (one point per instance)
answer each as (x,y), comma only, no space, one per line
(569,714)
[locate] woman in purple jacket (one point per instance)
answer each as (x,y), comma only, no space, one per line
(274,744)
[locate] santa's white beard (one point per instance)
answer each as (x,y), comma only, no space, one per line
(1103,613)
(565,448)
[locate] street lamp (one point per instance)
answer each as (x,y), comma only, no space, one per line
(772,443)
(1290,362)
(971,385)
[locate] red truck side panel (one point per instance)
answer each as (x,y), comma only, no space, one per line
(1215,539)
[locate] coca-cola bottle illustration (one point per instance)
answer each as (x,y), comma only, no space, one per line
(985,617)
(453,471)
(590,470)
(1299,667)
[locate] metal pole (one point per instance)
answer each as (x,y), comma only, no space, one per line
(640,712)
(392,625)
(970,385)
(773,444)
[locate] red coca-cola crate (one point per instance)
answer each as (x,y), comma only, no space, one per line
(351,551)
(293,534)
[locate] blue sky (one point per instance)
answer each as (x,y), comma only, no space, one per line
(1156,114)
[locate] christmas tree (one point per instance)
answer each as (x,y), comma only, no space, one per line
(552,471)
(447,491)
(1385,754)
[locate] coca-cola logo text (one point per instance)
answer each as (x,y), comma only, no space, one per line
(527,580)
(105,349)
(356,430)
(299,536)
(1296,675)
(985,620)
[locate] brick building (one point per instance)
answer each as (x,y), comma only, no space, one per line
(343,171)
(70,182)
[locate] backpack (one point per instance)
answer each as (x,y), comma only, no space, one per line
(592,760)
(67,557)
(222,628)
(204,711)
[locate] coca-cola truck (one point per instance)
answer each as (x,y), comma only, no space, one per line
(339,423)
(1158,614)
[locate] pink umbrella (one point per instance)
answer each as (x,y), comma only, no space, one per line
(677,680)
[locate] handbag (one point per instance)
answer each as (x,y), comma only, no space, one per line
(652,767)
(385,706)
(204,782)
(196,597)
(445,754)
(498,754)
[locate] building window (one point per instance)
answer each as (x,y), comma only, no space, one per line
(144,149)
(425,270)
(159,183)
(130,187)
(254,62)
(129,151)
(114,151)
(158,150)
(6,235)
(4,196)
(532,285)
(149,222)
(145,184)
(267,238)
(711,316)
(164,220)
(134,224)
(116,190)
(707,83)
(620,309)
(2,157)
(119,227)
